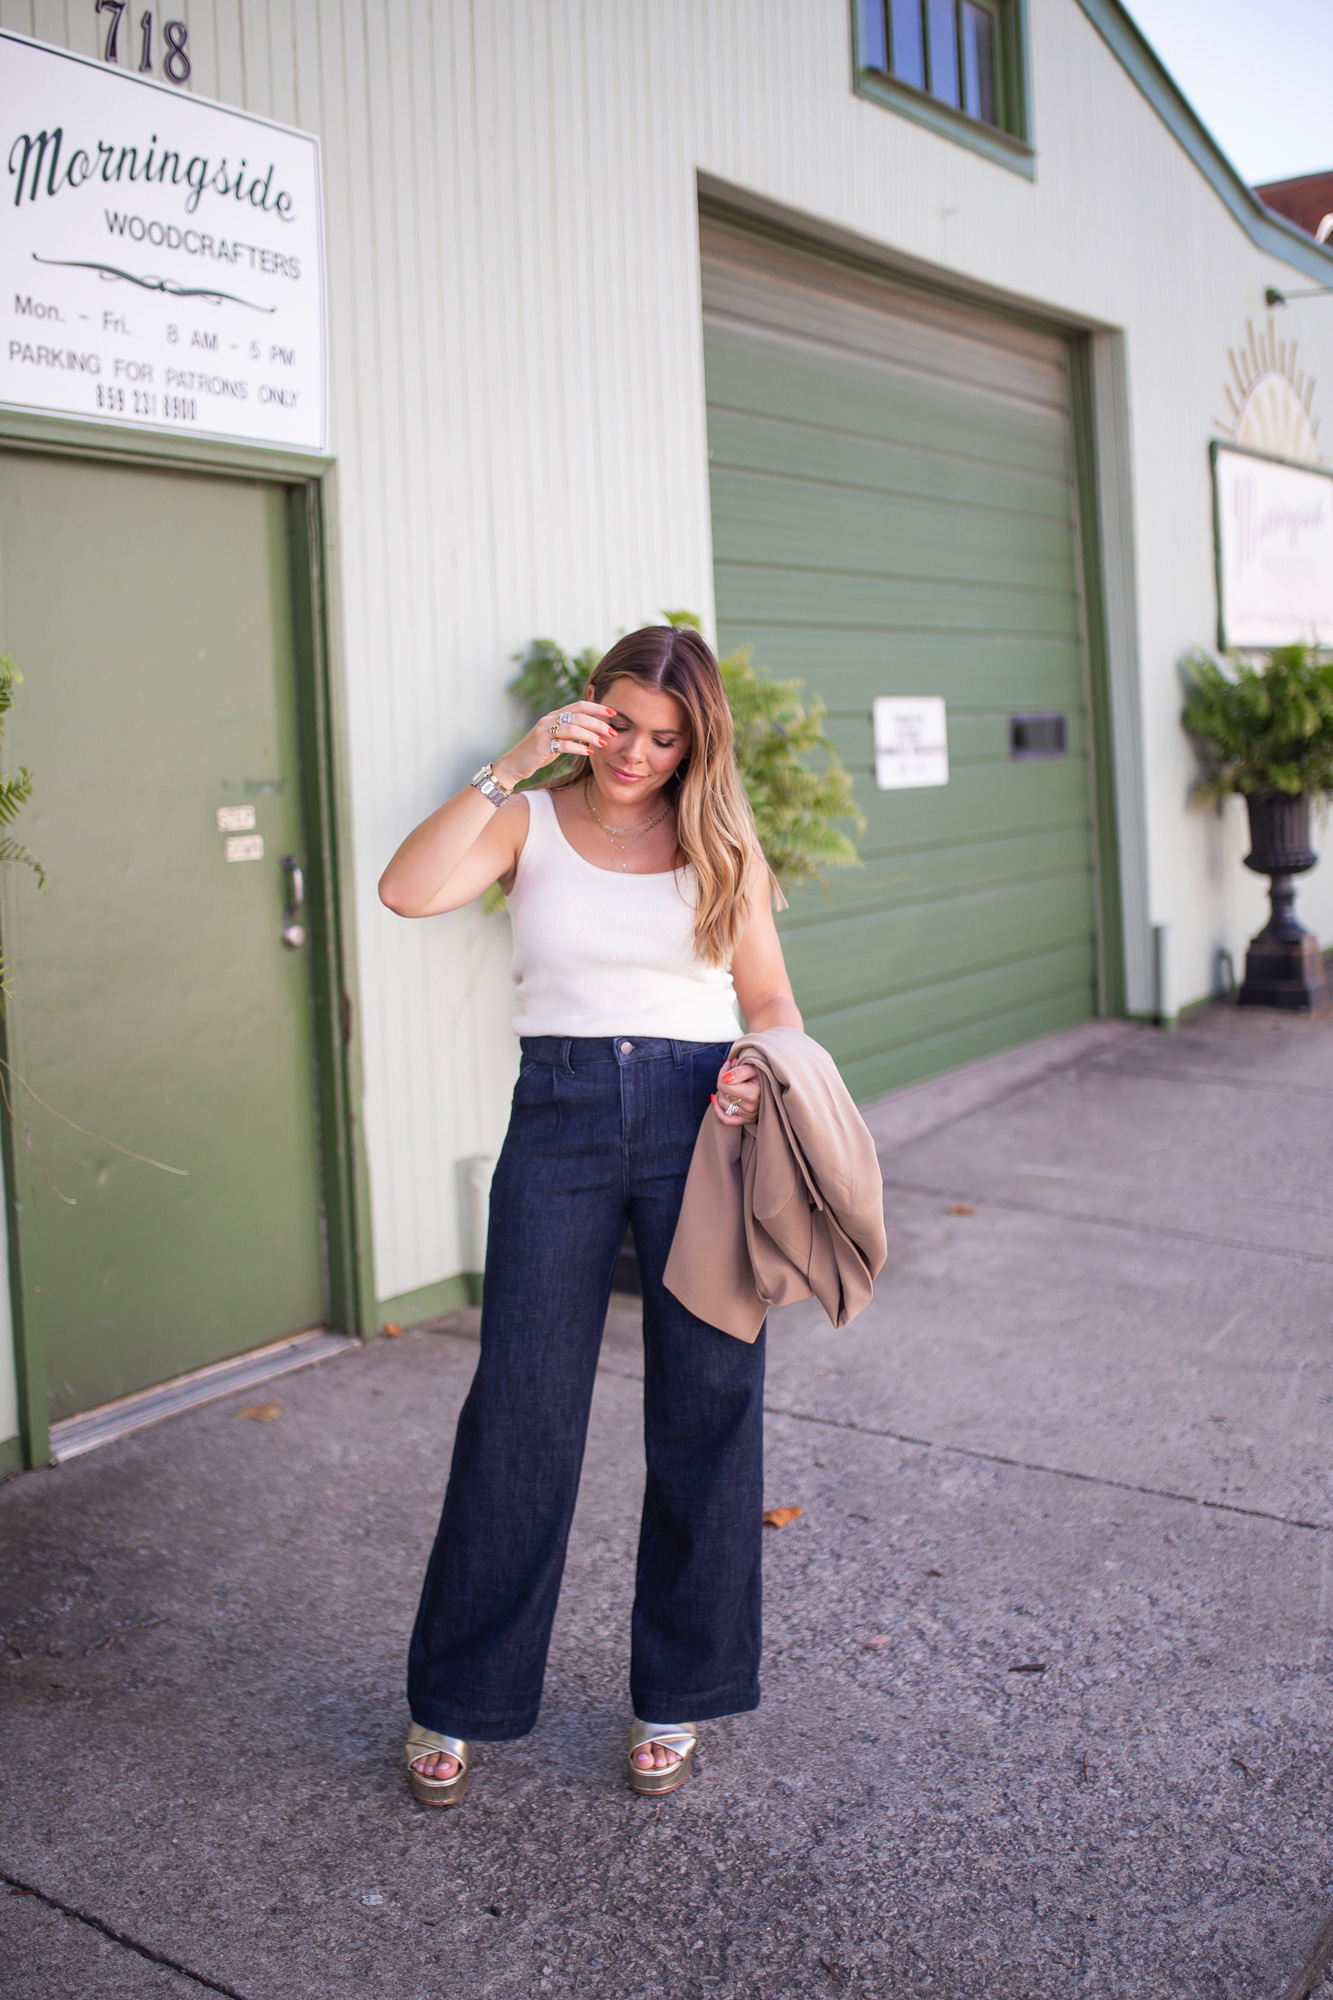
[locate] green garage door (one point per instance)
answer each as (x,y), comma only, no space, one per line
(893,514)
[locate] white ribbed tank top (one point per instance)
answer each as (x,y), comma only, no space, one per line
(598,951)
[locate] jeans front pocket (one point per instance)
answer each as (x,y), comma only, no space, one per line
(705,1063)
(534,1093)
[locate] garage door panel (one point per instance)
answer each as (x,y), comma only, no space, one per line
(904,1025)
(893,513)
(884,605)
(892,952)
(798,449)
(891,1068)
(917,336)
(843,666)
(898,1019)
(758,518)
(938,875)
(846,393)
(941,337)
(989,799)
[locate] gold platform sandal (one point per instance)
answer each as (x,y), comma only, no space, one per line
(678,1737)
(438,1791)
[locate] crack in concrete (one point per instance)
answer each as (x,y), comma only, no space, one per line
(990,1457)
(1052,1471)
(121,1938)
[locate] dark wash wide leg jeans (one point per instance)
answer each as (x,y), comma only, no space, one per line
(601,1131)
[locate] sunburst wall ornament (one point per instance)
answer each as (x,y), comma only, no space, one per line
(1270,399)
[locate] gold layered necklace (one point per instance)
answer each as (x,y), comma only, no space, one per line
(618,835)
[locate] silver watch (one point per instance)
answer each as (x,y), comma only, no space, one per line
(486,785)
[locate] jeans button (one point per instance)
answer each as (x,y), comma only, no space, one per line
(627,1048)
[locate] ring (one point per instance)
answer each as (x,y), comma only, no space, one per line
(565,717)
(555,729)
(732,1108)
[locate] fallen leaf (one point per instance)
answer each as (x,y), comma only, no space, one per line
(263,1413)
(1030,1667)
(960,1208)
(875,1645)
(835,1972)
(778,1517)
(118,1637)
(391,1331)
(934,1572)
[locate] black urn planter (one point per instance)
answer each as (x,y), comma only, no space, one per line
(1284,966)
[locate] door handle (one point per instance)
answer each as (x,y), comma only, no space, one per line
(293,934)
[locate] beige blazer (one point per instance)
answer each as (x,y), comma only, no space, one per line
(790,1206)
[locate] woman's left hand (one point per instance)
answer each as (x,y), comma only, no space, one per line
(737,1099)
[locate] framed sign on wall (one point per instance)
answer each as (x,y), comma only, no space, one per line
(163,256)
(1274,526)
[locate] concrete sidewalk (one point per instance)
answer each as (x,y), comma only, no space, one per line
(1048,1668)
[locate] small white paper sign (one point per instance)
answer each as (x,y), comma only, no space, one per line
(235,819)
(911,741)
(1275,548)
(244,847)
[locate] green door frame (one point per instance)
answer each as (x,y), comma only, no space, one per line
(345,1189)
(1111,995)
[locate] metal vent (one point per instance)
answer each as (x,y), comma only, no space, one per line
(1037,735)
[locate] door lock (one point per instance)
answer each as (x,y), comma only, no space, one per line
(293,934)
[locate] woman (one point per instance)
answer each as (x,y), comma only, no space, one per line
(642,917)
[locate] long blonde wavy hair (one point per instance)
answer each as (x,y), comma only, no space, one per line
(715,829)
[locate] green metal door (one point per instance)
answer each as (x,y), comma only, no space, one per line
(152,998)
(893,514)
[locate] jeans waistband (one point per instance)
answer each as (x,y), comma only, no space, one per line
(571,1052)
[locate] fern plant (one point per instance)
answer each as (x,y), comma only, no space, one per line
(1262,729)
(14,795)
(548,678)
(16,791)
(798,811)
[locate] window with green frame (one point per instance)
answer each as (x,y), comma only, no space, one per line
(958,64)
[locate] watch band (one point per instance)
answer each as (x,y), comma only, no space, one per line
(486,785)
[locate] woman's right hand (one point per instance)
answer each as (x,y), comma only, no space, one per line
(572,731)
(466,844)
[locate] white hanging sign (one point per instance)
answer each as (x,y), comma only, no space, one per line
(1274,551)
(163,256)
(911,741)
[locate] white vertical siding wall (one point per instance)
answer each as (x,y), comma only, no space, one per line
(518,412)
